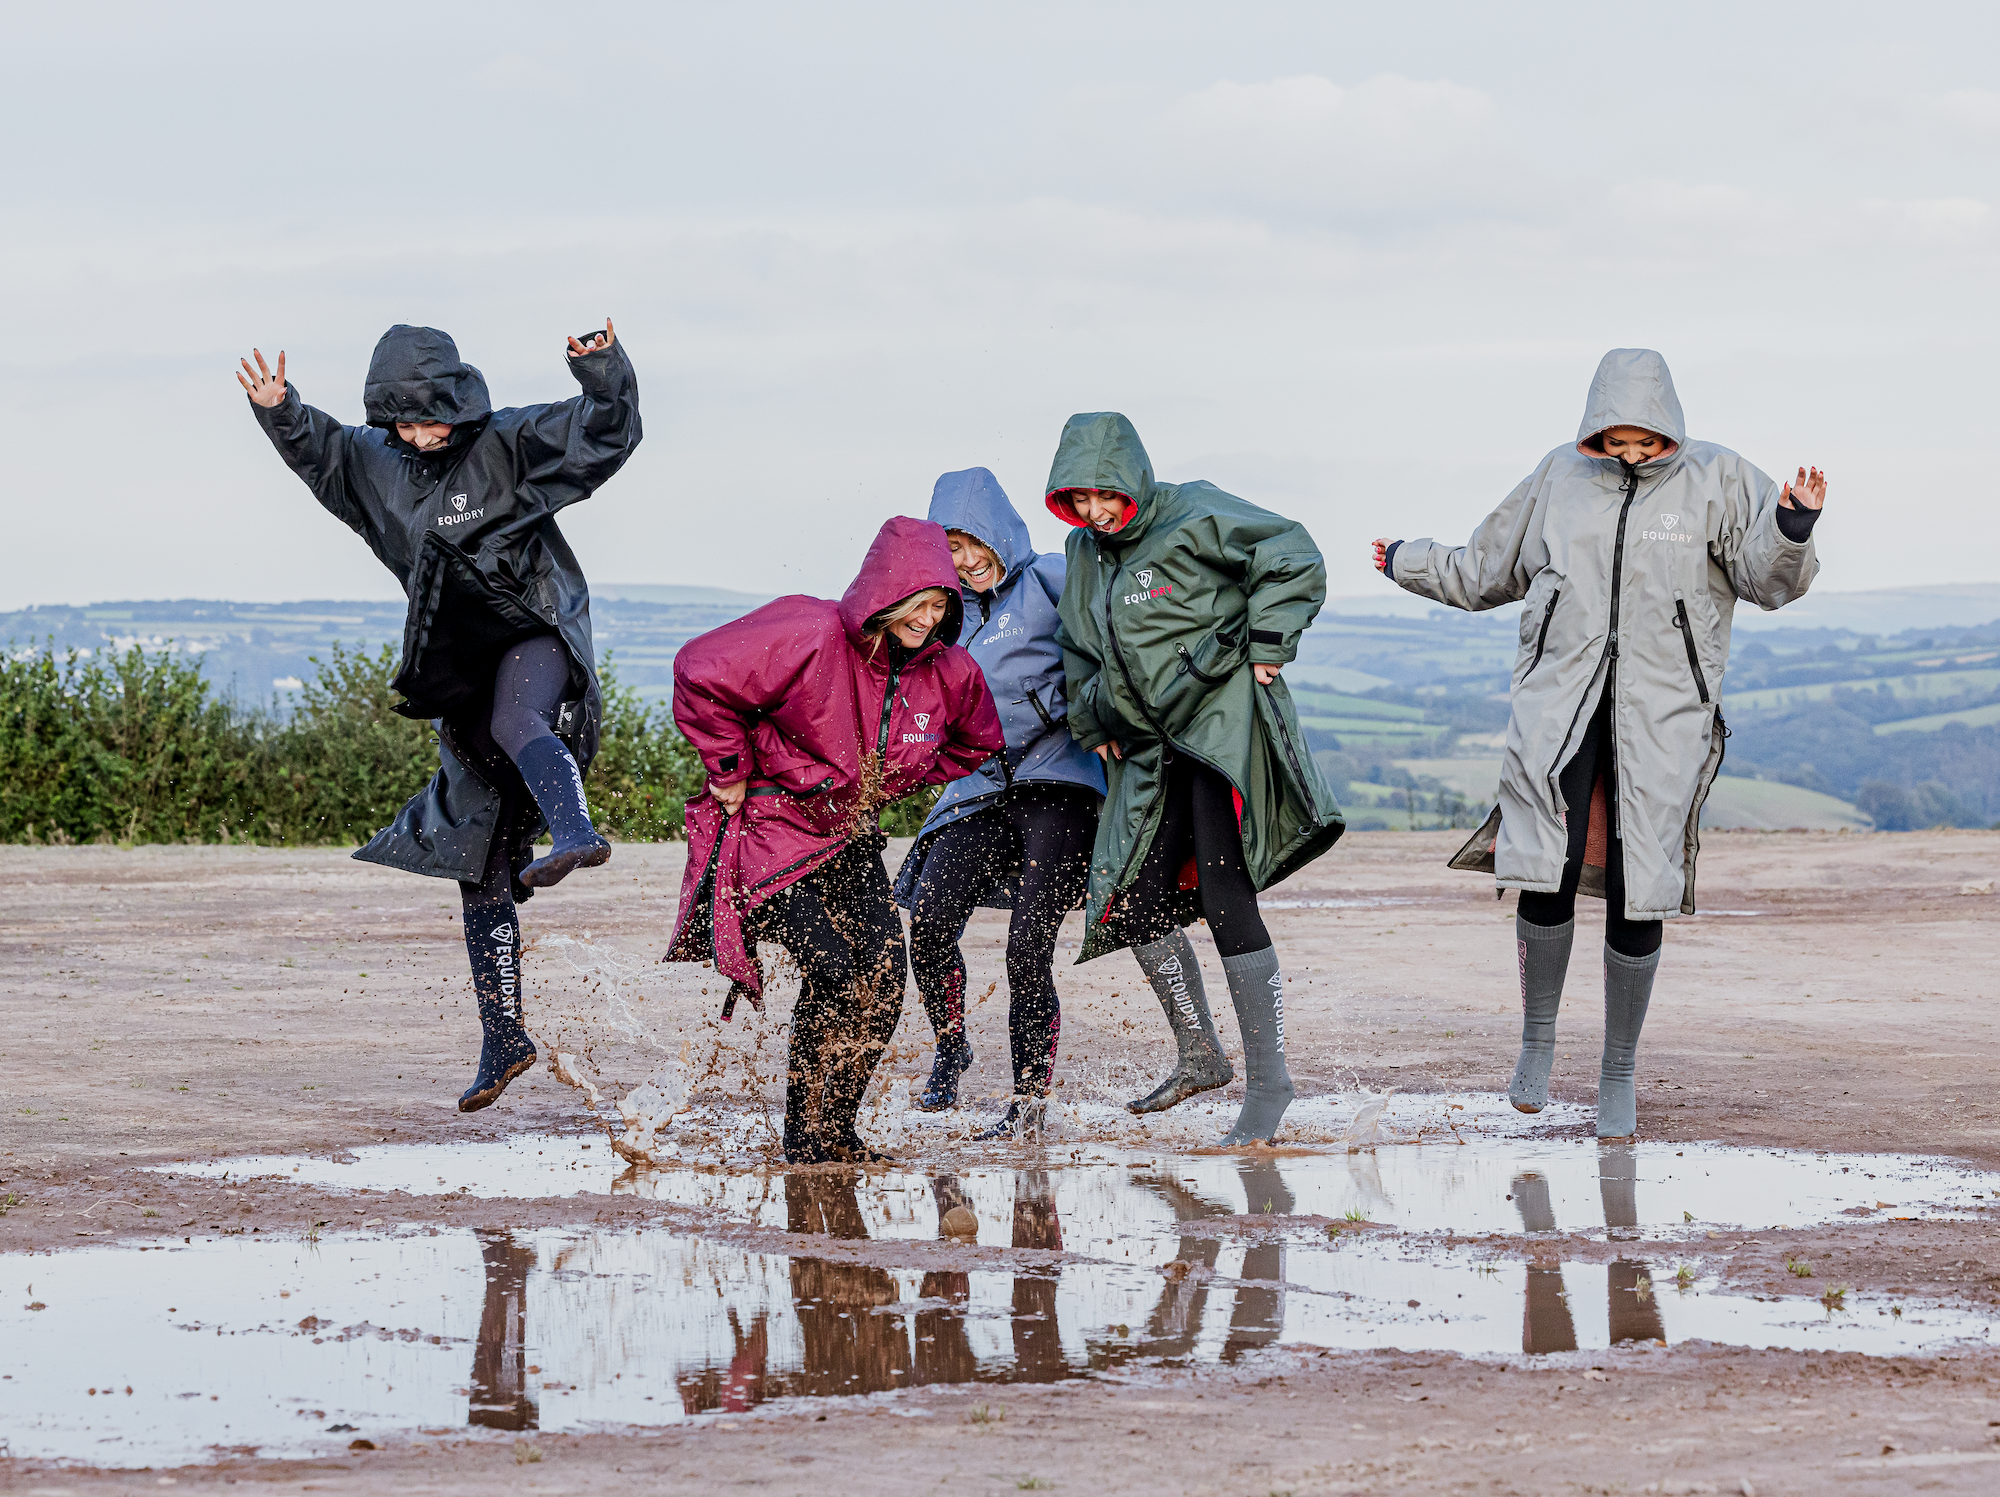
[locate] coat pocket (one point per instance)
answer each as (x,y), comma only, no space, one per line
(1200,669)
(1686,627)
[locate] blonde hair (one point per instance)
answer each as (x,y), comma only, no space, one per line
(880,624)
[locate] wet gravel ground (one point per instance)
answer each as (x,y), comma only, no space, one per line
(187,1004)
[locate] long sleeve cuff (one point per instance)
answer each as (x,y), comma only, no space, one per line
(1389,561)
(1796,525)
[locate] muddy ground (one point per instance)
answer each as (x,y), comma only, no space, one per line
(175,1004)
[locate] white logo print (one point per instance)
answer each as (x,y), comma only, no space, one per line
(923,719)
(1145,577)
(1001,622)
(1670,521)
(1171,966)
(1670,530)
(503,932)
(458,502)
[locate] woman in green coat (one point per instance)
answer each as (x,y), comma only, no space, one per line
(1181,605)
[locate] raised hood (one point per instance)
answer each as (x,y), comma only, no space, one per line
(417,375)
(906,556)
(1632,387)
(1098,450)
(974,502)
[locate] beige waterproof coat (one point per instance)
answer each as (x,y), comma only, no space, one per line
(1630,576)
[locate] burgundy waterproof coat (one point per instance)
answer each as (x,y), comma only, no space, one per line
(827,731)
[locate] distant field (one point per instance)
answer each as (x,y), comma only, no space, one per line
(1754,804)
(1974,717)
(1933,684)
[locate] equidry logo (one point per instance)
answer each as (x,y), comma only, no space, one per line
(1177,989)
(1669,531)
(1001,622)
(1145,581)
(463,514)
(923,719)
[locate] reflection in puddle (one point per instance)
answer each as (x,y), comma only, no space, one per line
(237,1343)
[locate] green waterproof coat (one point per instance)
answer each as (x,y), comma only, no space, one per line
(1161,622)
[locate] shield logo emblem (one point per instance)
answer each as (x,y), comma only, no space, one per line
(1670,521)
(458,502)
(503,933)
(923,719)
(1001,622)
(1145,577)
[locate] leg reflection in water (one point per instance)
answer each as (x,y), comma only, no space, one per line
(1546,1324)
(848,1348)
(1258,1318)
(944,1355)
(500,1358)
(1038,1354)
(1175,1324)
(1635,1314)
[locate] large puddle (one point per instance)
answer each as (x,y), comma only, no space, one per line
(156,1355)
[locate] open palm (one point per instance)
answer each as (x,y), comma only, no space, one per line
(264,387)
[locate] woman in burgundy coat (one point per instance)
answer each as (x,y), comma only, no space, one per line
(810,717)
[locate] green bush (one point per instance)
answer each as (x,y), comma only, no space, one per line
(134,746)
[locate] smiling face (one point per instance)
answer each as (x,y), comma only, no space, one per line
(1633,444)
(914,629)
(978,568)
(425,436)
(1103,510)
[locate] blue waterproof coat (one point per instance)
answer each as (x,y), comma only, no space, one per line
(1011,632)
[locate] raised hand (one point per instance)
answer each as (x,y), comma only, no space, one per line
(1382,545)
(598,343)
(1807,491)
(264,387)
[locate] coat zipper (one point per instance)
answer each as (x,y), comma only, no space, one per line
(1166,743)
(1610,648)
(1292,757)
(888,705)
(1542,639)
(1188,665)
(1687,638)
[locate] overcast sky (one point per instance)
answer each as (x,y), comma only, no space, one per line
(1353,262)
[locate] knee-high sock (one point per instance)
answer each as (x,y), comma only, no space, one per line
(493,947)
(558,789)
(1173,970)
(1544,956)
(1628,988)
(1257,989)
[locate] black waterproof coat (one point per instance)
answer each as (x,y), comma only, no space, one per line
(470,532)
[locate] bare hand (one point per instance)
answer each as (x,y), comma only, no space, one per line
(1382,545)
(730,796)
(1107,752)
(597,344)
(1807,491)
(268,389)
(1265,674)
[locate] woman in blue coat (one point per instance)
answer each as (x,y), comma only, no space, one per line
(1017,835)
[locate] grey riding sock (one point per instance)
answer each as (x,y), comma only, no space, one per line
(1200,1064)
(1257,989)
(1628,988)
(1544,958)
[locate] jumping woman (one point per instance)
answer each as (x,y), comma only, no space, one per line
(1017,835)
(1181,606)
(1631,549)
(810,717)
(459,501)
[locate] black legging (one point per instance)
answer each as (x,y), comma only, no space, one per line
(1595,759)
(528,684)
(1046,831)
(1199,819)
(840,924)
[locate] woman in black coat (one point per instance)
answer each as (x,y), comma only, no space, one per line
(459,501)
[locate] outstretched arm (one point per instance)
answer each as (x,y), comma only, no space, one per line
(314,445)
(1487,571)
(567,451)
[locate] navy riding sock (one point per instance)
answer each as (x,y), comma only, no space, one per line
(493,945)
